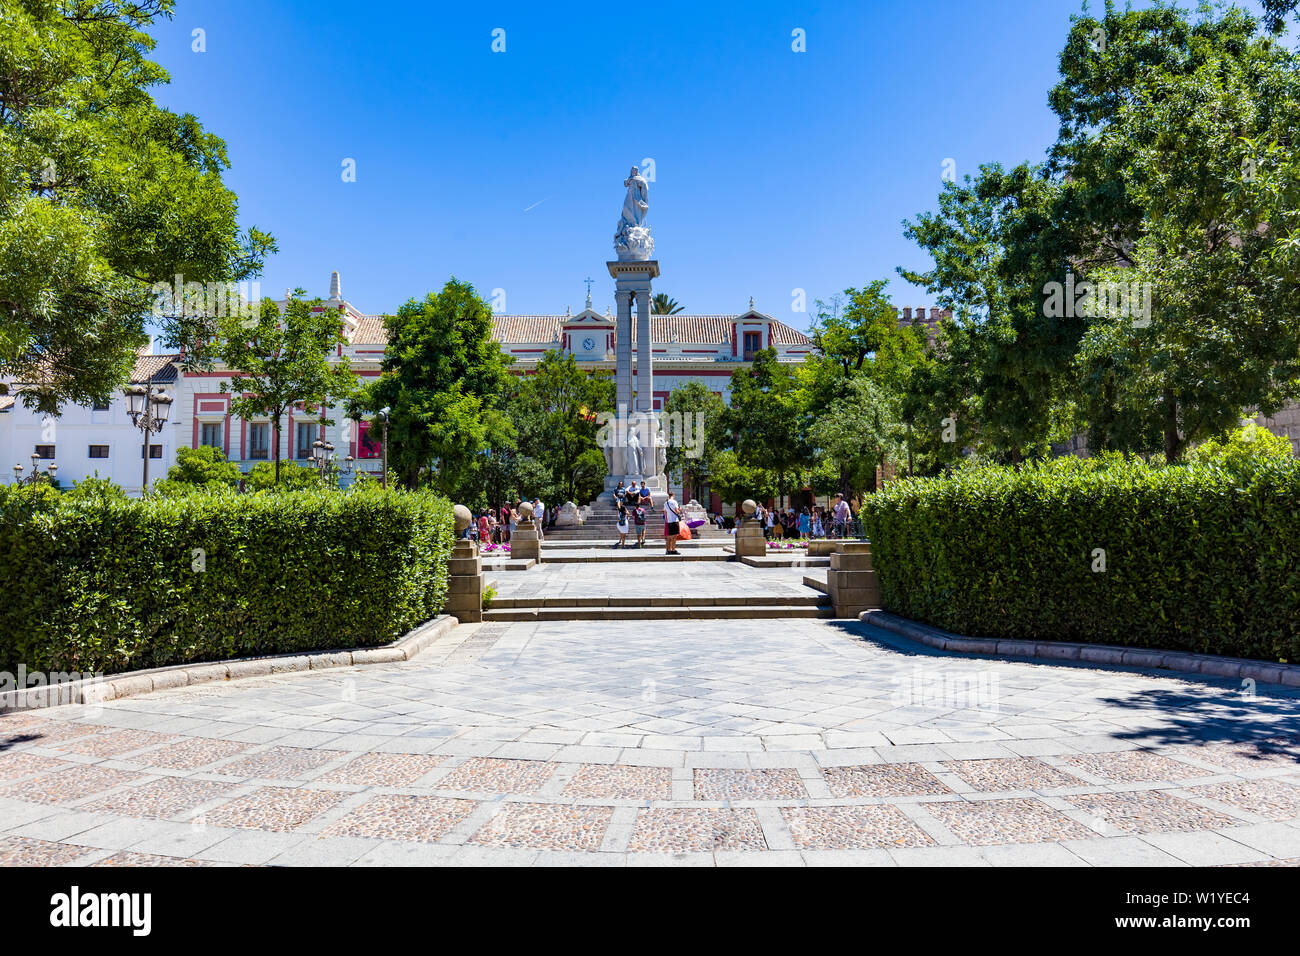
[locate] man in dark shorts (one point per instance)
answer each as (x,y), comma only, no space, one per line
(638,518)
(672,524)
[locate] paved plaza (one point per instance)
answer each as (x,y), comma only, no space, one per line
(775,742)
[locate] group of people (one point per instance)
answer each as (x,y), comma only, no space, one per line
(635,505)
(497,525)
(834,521)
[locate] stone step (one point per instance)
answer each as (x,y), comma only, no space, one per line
(650,613)
(761,600)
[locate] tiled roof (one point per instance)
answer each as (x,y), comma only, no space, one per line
(158,368)
(369,331)
(6,402)
(544,329)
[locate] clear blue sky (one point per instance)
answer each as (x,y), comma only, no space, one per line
(775,170)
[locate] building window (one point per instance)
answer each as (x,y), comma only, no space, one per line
(259,434)
(211,434)
(45,451)
(306,432)
(100,406)
(753,342)
(98,451)
(155,451)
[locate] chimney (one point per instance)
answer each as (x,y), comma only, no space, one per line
(946,314)
(336,285)
(907,313)
(934,314)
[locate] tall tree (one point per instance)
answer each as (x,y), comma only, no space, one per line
(103,194)
(443,378)
(767,422)
(705,411)
(570,401)
(280,360)
(661,304)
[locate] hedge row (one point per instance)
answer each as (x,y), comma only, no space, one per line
(1197,557)
(104,585)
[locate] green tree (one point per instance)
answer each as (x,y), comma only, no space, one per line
(202,467)
(661,304)
(444,378)
(280,360)
(695,403)
(859,432)
(1190,131)
(103,194)
(767,421)
(734,481)
(570,401)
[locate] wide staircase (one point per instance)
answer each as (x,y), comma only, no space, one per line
(658,608)
(602,525)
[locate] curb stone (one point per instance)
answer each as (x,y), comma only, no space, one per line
(97,691)
(1263,672)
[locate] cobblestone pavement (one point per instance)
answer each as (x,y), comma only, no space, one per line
(779,742)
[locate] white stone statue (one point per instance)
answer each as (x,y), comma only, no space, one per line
(635,460)
(661,452)
(632,236)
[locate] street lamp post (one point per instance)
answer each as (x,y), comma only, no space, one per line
(383,417)
(148,408)
(51,472)
(322,454)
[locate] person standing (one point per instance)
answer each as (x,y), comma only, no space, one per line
(622,523)
(484,534)
(539,517)
(672,524)
(840,517)
(638,517)
(805,522)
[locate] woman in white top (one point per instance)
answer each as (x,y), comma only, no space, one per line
(622,526)
(672,524)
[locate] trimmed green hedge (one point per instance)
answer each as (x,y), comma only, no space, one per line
(1198,557)
(104,585)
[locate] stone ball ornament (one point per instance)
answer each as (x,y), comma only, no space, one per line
(749,506)
(526,510)
(463,518)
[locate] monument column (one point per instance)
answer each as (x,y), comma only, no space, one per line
(623,352)
(645,368)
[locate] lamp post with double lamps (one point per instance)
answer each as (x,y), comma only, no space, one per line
(51,472)
(148,408)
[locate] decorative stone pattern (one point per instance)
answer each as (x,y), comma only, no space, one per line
(17,766)
(190,753)
(609,781)
(545,826)
(160,799)
(883,780)
(1149,811)
(696,831)
(383,770)
(131,858)
(1011,773)
(113,743)
(69,785)
(273,808)
(852,828)
(279,763)
(1268,798)
(397,817)
(23,851)
(723,784)
(1133,766)
(990,822)
(495,775)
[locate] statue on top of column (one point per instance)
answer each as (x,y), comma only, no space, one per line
(632,238)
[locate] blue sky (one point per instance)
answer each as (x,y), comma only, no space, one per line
(774,170)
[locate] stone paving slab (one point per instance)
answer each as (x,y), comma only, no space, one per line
(746,742)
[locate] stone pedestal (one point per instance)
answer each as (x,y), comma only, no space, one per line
(465,582)
(524,542)
(851,581)
(569,516)
(750,542)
